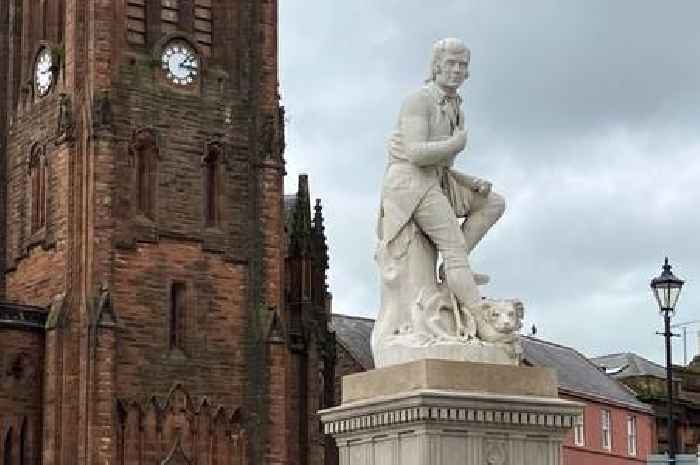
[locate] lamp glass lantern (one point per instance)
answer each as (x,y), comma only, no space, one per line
(667,289)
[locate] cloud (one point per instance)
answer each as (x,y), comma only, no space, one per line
(583,114)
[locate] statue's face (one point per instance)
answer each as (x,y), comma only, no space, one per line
(452,70)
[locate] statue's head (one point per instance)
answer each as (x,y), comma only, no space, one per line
(450,63)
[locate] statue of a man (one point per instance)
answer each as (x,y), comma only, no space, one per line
(420,185)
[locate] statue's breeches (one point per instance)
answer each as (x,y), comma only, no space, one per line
(435,216)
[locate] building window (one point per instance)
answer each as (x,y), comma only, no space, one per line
(144,153)
(606,436)
(632,435)
(579,438)
(37,174)
(23,443)
(212,184)
(178,313)
(8,448)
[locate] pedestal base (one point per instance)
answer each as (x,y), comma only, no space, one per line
(404,348)
(426,426)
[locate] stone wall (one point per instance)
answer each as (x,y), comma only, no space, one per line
(108,269)
(36,260)
(211,360)
(21,368)
(179,427)
(31,122)
(4,58)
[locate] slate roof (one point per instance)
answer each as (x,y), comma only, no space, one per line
(629,364)
(576,374)
(354,333)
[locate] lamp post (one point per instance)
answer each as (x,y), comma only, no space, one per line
(667,289)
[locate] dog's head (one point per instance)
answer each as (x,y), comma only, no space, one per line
(504,316)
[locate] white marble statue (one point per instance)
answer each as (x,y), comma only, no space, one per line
(426,312)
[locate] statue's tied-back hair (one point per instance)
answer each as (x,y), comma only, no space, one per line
(441,46)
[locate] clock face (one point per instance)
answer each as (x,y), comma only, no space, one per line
(180,63)
(43,72)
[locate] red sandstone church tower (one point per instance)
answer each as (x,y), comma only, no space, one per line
(159,303)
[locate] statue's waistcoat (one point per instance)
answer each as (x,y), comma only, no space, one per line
(405,183)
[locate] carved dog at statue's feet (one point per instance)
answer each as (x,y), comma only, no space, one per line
(437,315)
(499,321)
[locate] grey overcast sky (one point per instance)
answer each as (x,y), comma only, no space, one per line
(585,115)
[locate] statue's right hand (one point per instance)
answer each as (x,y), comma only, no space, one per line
(459,140)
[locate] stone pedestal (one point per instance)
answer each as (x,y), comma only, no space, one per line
(433,412)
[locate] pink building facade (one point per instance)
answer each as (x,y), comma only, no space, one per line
(610,433)
(616,428)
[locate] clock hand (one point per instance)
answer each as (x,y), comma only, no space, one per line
(188,64)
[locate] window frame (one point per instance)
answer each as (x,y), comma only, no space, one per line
(632,435)
(38,180)
(178,306)
(212,185)
(606,429)
(580,431)
(8,449)
(145,153)
(23,443)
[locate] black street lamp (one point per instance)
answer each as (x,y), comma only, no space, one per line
(667,288)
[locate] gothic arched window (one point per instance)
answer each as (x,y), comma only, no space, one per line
(144,153)
(23,443)
(38,181)
(8,448)
(212,184)
(178,315)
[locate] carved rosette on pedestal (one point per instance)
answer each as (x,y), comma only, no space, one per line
(382,423)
